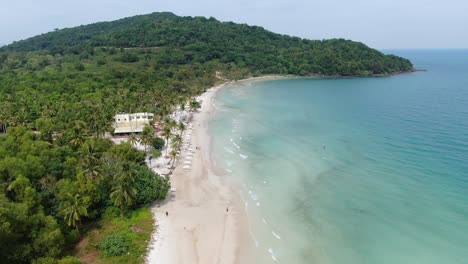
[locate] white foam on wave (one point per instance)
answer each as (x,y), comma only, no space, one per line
(243,156)
(228,163)
(253,195)
(228,170)
(253,238)
(231,139)
(276,235)
(264,221)
(272,255)
(258,203)
(240,138)
(228,150)
(234,143)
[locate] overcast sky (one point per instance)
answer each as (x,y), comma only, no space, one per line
(378,23)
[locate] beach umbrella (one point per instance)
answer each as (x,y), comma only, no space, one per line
(188,158)
(186,167)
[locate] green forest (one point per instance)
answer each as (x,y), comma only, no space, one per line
(59,92)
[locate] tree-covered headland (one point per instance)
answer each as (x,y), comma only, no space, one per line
(59,92)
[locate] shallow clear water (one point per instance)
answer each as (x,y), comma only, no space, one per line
(358,170)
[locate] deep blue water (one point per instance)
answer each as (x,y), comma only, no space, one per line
(357,170)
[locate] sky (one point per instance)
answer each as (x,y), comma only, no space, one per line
(381,24)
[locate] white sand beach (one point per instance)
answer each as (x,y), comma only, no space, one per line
(198,227)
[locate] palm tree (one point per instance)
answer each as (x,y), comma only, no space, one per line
(176,141)
(181,128)
(166,133)
(102,125)
(194,105)
(4,113)
(90,161)
(123,192)
(78,133)
(133,139)
(147,136)
(182,108)
(73,210)
(173,156)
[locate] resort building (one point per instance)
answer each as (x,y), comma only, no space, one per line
(131,123)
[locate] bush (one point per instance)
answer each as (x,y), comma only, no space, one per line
(45,260)
(69,260)
(158,143)
(128,57)
(49,260)
(149,185)
(72,237)
(115,244)
(125,151)
(79,67)
(101,62)
(110,213)
(156,153)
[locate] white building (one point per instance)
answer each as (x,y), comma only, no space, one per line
(131,123)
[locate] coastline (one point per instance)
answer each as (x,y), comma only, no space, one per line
(198,229)
(207,221)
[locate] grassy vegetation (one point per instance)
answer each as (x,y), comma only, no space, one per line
(137,226)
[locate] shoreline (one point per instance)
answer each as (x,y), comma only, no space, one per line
(206,221)
(319,76)
(199,229)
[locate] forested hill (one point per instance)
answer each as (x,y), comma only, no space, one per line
(200,40)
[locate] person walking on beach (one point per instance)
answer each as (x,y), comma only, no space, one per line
(167,214)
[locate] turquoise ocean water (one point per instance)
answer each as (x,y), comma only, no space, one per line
(357,170)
